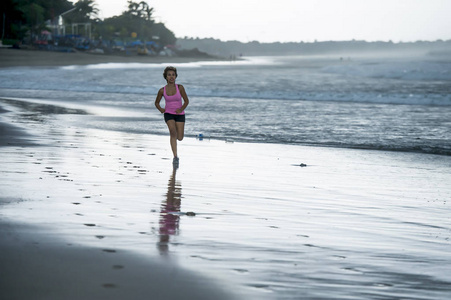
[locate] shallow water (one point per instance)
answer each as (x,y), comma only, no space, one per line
(371,103)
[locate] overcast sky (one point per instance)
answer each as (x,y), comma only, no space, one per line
(299,20)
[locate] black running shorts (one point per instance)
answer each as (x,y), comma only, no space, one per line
(177,118)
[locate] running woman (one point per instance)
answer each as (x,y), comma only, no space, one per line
(174,110)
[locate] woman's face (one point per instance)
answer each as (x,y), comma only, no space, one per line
(170,77)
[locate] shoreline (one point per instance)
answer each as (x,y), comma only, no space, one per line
(53,107)
(10,58)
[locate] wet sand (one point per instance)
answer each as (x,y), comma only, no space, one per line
(104,214)
(39,262)
(33,58)
(35,265)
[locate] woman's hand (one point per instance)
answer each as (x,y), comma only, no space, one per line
(179,111)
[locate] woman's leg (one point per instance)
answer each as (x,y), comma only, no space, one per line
(180,126)
(173,136)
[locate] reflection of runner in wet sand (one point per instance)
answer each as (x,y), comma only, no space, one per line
(170,207)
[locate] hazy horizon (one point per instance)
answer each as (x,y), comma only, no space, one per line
(316,41)
(284,21)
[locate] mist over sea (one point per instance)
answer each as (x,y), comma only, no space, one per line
(401,104)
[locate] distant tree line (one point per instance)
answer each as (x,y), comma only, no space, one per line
(342,48)
(22,19)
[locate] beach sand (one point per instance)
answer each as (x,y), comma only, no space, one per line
(95,214)
(37,260)
(35,265)
(34,58)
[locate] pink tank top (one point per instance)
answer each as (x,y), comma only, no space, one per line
(173,102)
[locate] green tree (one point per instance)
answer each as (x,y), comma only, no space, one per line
(85,11)
(11,20)
(53,8)
(22,16)
(140,10)
(122,27)
(140,18)
(34,18)
(165,36)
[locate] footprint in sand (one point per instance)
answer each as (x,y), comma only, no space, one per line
(302,235)
(109,250)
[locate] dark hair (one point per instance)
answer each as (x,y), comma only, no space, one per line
(165,73)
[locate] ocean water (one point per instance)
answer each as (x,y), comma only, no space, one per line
(401,104)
